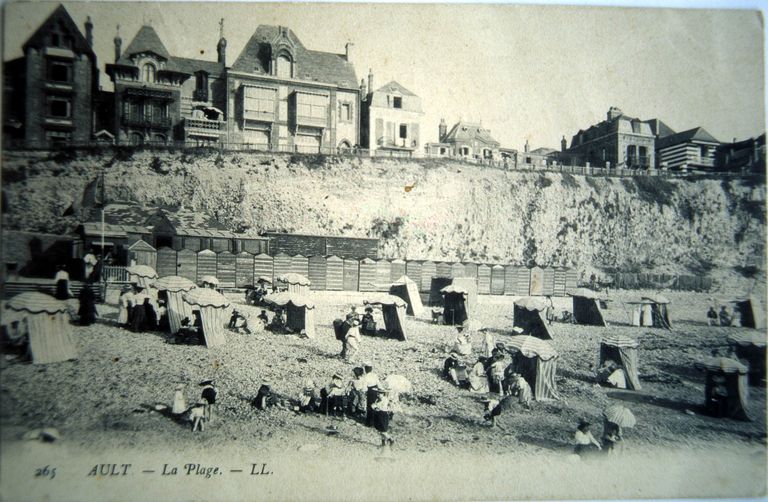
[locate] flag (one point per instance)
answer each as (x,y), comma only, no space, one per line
(93,194)
(93,197)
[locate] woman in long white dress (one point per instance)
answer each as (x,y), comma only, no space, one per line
(124,302)
(179,401)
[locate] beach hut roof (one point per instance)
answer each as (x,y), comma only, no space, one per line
(206,297)
(384,299)
(724,364)
(286,297)
(35,302)
(530,346)
(293,278)
(174,283)
(531,303)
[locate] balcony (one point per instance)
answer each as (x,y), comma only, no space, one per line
(146,121)
(203,127)
(311,121)
(259,116)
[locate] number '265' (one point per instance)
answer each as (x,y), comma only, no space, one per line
(45,472)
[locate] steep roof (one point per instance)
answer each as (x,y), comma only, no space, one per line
(189,65)
(394,87)
(660,128)
(543,151)
(146,40)
(464,132)
(39,38)
(325,67)
(695,134)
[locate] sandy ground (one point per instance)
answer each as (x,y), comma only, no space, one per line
(102,404)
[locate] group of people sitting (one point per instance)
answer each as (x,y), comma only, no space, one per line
(724,317)
(255,296)
(363,397)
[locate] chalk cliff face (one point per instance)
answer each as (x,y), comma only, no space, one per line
(420,209)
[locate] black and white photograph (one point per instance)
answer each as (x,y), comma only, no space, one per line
(382,251)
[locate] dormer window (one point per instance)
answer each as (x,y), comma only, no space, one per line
(283,66)
(148,73)
(201,86)
(397,102)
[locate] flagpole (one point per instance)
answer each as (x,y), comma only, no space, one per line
(103,277)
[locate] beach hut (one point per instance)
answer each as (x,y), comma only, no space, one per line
(299,311)
(749,346)
(725,389)
(294,283)
(529,315)
(752,312)
(212,306)
(408,290)
(177,308)
(143,275)
(50,335)
(536,360)
(393,310)
(623,351)
(454,304)
(470,285)
(586,308)
(209,281)
(652,311)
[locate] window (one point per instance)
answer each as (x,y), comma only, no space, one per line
(345,112)
(403,131)
(201,86)
(58,107)
(464,150)
(259,102)
(284,67)
(59,71)
(643,153)
(527,160)
(704,152)
(631,155)
(313,107)
(397,102)
(58,137)
(148,72)
(442,151)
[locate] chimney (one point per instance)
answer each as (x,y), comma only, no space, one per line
(348,48)
(363,91)
(527,147)
(442,130)
(221,47)
(614,112)
(89,32)
(563,144)
(370,80)
(118,44)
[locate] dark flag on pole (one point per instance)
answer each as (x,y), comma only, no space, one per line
(93,197)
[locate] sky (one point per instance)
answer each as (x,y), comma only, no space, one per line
(526,72)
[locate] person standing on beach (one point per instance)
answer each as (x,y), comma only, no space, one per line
(179,401)
(209,396)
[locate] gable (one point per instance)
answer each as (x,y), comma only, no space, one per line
(63,21)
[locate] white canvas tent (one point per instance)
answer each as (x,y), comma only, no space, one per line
(407,289)
(50,334)
(212,306)
(299,311)
(177,308)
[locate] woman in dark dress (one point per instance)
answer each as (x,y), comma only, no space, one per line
(150,316)
(87,310)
